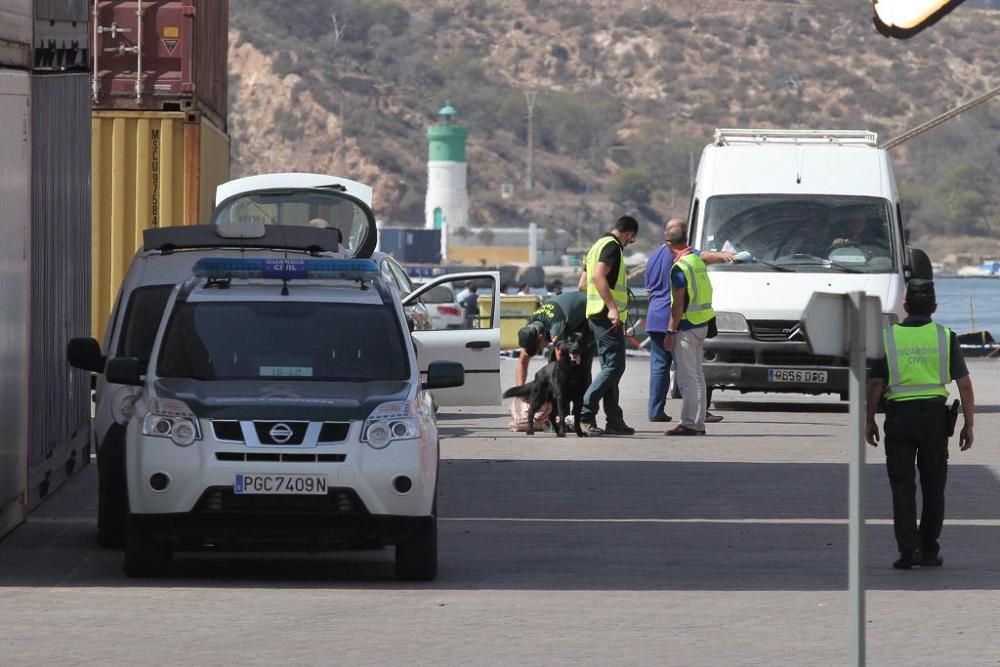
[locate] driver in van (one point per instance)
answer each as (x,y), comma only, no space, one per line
(862,232)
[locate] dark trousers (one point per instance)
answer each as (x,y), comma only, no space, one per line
(659,374)
(611,352)
(917,430)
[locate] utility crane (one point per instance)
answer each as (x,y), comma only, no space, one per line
(904,18)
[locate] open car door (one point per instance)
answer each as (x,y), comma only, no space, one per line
(476,345)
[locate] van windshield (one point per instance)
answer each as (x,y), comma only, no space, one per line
(801,233)
(306,208)
(288,340)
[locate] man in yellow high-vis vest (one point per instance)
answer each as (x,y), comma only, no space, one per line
(921,359)
(690,314)
(607,312)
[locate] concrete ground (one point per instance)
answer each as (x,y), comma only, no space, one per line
(728,549)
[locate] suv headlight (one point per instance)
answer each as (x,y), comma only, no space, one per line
(731,323)
(170,418)
(391,421)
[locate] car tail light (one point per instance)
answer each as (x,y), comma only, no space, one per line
(449,310)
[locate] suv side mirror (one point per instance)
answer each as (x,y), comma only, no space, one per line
(85,354)
(444,374)
(123,370)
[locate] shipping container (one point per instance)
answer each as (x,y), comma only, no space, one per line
(15,219)
(61,35)
(148,169)
(181,50)
(15,33)
(411,245)
(58,396)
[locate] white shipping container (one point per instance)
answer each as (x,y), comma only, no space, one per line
(15,221)
(59,396)
(16,33)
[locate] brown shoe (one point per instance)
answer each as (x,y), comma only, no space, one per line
(680,429)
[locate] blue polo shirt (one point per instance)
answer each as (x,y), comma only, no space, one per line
(658,289)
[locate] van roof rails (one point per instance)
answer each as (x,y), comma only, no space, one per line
(728,137)
(275,237)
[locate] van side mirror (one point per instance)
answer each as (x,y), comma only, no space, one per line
(123,370)
(920,265)
(85,354)
(444,374)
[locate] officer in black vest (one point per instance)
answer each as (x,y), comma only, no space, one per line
(921,359)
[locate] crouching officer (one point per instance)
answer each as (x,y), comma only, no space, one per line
(921,358)
(557,317)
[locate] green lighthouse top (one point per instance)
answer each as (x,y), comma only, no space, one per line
(446,141)
(448,111)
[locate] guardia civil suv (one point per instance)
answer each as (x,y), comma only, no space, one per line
(281,406)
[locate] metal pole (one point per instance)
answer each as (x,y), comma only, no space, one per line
(138,50)
(529,99)
(856,490)
(93,49)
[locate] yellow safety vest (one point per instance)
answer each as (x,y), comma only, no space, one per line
(699,287)
(595,304)
(919,361)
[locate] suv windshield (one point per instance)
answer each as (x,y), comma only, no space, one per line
(305,208)
(802,233)
(293,340)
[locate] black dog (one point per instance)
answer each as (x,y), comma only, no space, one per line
(561,381)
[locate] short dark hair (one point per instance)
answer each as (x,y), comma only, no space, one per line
(920,306)
(626,224)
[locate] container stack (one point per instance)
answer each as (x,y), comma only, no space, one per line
(45,222)
(160,148)
(411,245)
(15,223)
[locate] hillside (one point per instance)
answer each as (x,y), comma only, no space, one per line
(627,94)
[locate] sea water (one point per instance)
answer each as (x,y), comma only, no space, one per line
(968,304)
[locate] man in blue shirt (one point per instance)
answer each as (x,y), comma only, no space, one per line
(658,287)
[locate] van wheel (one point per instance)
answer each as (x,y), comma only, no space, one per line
(112,494)
(416,558)
(145,557)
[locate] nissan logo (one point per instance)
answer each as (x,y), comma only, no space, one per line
(281,433)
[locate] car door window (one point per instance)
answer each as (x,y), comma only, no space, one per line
(402,280)
(142,320)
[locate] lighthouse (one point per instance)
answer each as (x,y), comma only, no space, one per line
(447,204)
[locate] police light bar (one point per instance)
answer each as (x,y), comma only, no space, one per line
(220,268)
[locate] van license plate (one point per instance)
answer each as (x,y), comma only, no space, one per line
(796,375)
(298,485)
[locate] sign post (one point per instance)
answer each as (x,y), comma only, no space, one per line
(839,324)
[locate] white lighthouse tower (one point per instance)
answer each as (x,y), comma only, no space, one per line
(447,204)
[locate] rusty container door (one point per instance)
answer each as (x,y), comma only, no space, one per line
(15,220)
(59,396)
(15,33)
(148,170)
(179,46)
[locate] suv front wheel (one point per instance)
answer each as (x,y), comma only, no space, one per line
(416,558)
(145,556)
(112,496)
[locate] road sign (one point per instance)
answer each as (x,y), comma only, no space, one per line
(851,325)
(825,323)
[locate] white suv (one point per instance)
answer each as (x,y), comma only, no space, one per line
(267,216)
(282,405)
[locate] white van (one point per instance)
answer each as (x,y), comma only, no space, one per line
(807,211)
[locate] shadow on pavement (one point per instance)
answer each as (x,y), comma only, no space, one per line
(761,406)
(578,525)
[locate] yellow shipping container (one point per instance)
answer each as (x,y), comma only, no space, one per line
(149,169)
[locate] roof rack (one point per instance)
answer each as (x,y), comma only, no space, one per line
(728,137)
(275,237)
